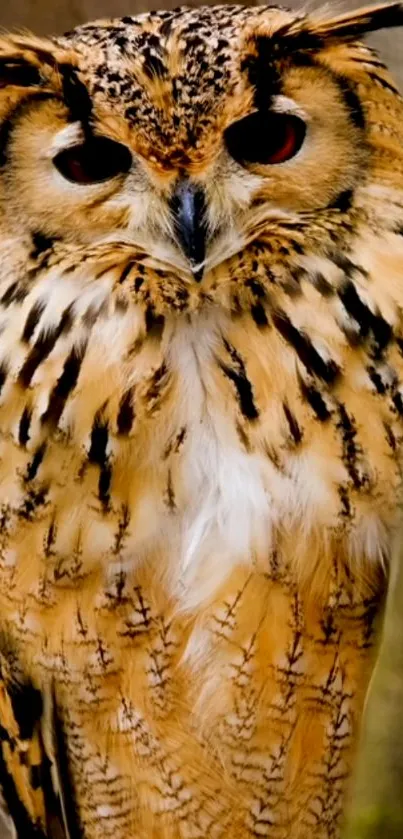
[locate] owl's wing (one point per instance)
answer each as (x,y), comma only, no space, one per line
(29,777)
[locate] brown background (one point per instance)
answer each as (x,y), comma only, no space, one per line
(55,16)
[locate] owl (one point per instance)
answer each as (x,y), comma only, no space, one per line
(201,418)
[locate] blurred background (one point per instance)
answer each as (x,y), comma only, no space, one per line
(46,17)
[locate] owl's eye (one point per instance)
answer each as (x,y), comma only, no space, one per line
(265,137)
(97,159)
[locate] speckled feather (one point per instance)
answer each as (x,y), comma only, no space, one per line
(199,481)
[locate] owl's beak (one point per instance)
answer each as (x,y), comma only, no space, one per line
(188,207)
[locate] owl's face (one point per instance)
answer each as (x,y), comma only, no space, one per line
(184,134)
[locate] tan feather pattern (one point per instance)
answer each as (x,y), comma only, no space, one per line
(199,482)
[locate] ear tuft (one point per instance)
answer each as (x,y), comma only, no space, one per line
(27,61)
(19,73)
(351,25)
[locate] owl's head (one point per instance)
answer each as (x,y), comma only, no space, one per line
(188,135)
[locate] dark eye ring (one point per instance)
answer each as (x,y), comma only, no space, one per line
(97,159)
(265,137)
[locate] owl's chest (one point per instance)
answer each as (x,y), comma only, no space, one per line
(183,581)
(201,459)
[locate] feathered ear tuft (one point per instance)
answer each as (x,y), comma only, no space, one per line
(18,72)
(351,25)
(27,61)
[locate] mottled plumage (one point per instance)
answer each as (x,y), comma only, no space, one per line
(201,418)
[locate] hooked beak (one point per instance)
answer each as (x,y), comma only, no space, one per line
(188,208)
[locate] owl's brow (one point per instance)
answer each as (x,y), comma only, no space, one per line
(76,97)
(263,68)
(7,126)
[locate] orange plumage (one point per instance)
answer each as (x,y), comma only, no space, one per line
(201,370)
